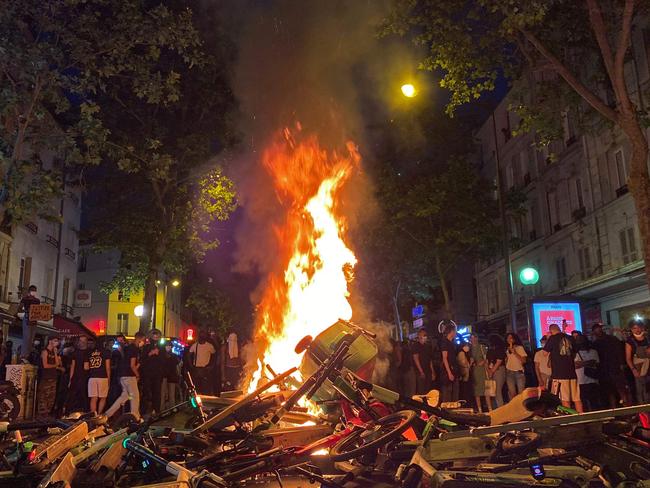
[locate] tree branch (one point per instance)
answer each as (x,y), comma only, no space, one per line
(619,61)
(600,30)
(571,79)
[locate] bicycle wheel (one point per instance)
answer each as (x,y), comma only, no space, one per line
(365,441)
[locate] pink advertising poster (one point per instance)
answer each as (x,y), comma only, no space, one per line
(564,314)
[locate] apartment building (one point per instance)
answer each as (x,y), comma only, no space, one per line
(118,313)
(580,225)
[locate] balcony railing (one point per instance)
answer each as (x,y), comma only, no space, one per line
(67,310)
(70,253)
(32,227)
(52,240)
(47,300)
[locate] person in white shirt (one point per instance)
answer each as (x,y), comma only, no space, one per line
(515,359)
(542,366)
(587,361)
(202,355)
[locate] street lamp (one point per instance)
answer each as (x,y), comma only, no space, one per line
(175,283)
(138,311)
(408,90)
(528,276)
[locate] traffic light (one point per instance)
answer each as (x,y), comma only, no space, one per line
(189,335)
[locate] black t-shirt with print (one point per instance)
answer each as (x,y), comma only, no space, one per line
(562,350)
(97,362)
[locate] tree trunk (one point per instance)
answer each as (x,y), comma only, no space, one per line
(639,183)
(443,287)
(146,321)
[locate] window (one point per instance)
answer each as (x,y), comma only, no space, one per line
(81,286)
(568,128)
(122,297)
(628,245)
(510,181)
(83,262)
(532,160)
(123,323)
(551,204)
(621,170)
(576,194)
(25,273)
(560,271)
(516,170)
(66,290)
(584,261)
(493,296)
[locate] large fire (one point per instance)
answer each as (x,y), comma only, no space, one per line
(311,291)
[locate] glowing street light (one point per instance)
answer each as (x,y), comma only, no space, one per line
(138,310)
(408,90)
(528,276)
(176,283)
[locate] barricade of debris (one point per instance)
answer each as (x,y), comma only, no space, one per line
(363,435)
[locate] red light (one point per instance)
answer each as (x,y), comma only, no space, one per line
(190,335)
(31,456)
(102,326)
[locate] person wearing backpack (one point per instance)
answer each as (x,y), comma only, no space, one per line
(637,356)
(587,369)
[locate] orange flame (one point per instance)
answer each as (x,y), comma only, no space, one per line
(311,293)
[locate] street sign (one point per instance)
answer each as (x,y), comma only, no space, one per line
(83,298)
(417,311)
(418,323)
(42,312)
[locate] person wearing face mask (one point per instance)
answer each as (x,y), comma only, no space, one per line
(48,374)
(128,371)
(637,356)
(29,326)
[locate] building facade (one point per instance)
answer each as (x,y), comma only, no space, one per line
(580,225)
(117,313)
(44,254)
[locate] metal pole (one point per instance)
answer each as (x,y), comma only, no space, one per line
(504,231)
(165,313)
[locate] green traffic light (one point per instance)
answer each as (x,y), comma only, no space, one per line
(528,276)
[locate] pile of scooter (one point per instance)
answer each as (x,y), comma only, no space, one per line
(362,435)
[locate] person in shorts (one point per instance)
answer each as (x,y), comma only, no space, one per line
(562,351)
(98,365)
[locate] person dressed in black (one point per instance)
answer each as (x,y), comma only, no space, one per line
(449,367)
(98,366)
(170,379)
(6,358)
(128,370)
(152,369)
(29,326)
(614,388)
(78,383)
(423,362)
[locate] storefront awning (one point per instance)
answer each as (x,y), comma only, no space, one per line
(71,328)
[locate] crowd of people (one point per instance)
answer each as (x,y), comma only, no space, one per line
(603,371)
(108,374)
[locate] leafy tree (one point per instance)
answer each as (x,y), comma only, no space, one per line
(56,58)
(164,195)
(431,222)
(211,307)
(584,45)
